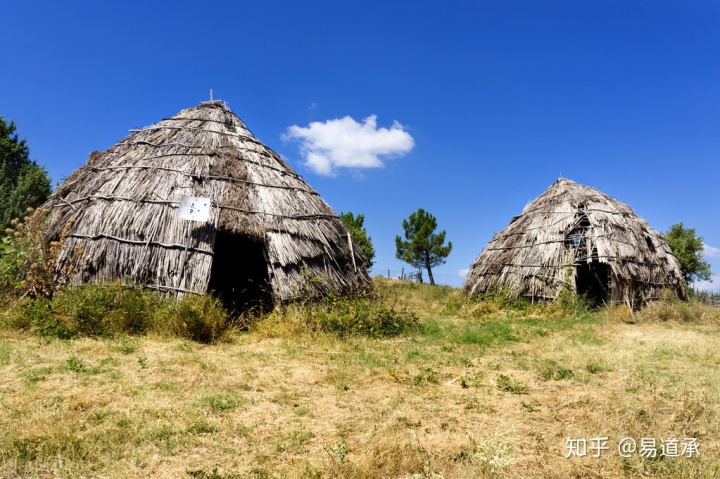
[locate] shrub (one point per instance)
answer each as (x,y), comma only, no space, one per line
(500,298)
(39,315)
(200,318)
(677,310)
(345,317)
(577,306)
(111,309)
(363,316)
(105,309)
(27,261)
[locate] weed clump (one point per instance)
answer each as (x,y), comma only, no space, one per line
(549,369)
(501,302)
(501,298)
(27,261)
(101,310)
(509,385)
(114,309)
(345,317)
(676,310)
(360,316)
(492,456)
(200,318)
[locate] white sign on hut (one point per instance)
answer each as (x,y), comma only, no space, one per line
(194,208)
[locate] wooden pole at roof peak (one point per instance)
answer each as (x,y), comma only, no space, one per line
(211,99)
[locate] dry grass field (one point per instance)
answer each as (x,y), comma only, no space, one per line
(477,391)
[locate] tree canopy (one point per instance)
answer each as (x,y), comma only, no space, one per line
(422,247)
(23,183)
(357,230)
(688,249)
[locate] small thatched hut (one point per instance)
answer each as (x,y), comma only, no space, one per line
(575,237)
(269,235)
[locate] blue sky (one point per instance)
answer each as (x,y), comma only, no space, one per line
(468,109)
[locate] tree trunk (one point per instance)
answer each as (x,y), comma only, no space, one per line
(427,265)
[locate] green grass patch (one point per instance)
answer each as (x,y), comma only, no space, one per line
(509,385)
(596,368)
(484,333)
(343,317)
(122,311)
(549,369)
(221,402)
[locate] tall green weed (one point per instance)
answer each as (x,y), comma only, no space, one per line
(105,309)
(200,318)
(112,309)
(364,316)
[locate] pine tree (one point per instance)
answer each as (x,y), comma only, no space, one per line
(422,248)
(23,183)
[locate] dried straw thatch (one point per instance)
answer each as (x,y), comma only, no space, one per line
(575,237)
(269,232)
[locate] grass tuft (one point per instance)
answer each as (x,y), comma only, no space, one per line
(509,385)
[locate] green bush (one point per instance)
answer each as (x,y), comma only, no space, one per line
(112,309)
(105,309)
(502,299)
(357,316)
(39,316)
(200,318)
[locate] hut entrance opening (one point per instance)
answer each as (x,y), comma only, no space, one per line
(239,273)
(592,280)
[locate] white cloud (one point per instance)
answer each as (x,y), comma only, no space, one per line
(345,143)
(463,272)
(711,251)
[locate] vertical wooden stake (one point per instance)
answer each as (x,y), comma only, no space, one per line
(352,252)
(183,260)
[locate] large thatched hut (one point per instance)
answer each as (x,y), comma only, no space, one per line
(575,237)
(269,236)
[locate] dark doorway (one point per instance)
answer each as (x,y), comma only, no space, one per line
(239,273)
(592,280)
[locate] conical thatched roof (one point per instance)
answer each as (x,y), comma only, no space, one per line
(268,230)
(573,236)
